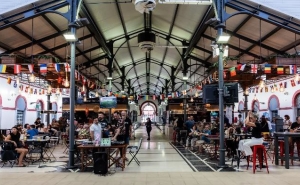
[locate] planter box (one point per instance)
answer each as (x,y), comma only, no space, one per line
(11,60)
(284,61)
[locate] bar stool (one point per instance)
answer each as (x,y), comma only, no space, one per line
(262,155)
(281,153)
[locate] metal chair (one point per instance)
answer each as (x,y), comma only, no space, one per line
(133,151)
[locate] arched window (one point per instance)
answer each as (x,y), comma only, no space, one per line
(20,107)
(273,106)
(298,104)
(241,107)
(255,106)
(148,111)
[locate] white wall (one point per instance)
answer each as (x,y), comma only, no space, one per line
(286,100)
(9,95)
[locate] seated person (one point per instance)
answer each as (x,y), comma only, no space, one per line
(245,145)
(203,138)
(192,137)
(32,131)
(41,128)
(14,137)
(50,130)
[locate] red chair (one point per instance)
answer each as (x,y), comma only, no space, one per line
(281,153)
(259,150)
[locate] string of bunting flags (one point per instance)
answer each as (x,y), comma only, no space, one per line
(43,69)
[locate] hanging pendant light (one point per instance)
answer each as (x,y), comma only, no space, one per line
(97,94)
(32,78)
(66,82)
(296,77)
(196,94)
(18,80)
(192,100)
(49,90)
(261,84)
(84,99)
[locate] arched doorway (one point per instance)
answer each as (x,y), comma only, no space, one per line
(241,106)
(21,106)
(297,104)
(148,110)
(273,105)
(255,106)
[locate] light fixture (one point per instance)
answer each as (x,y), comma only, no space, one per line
(255,98)
(226,51)
(246,93)
(57,91)
(66,83)
(70,37)
(196,2)
(18,80)
(97,94)
(84,99)
(49,90)
(184,92)
(31,78)
(192,99)
(296,77)
(84,88)
(223,39)
(261,84)
(185,77)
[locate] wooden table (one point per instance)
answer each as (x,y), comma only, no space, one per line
(85,160)
(286,136)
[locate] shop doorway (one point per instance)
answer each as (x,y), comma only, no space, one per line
(148,110)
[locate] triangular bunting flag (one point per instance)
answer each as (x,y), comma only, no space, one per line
(57,68)
(280,70)
(17,69)
(267,68)
(43,68)
(30,68)
(232,71)
(253,68)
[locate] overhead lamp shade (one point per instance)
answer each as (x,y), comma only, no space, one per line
(223,39)
(32,78)
(71,37)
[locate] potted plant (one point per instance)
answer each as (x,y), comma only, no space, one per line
(10,59)
(46,59)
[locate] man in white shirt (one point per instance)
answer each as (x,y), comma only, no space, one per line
(95,130)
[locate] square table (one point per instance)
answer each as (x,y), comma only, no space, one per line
(84,148)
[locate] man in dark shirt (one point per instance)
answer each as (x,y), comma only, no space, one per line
(245,145)
(104,124)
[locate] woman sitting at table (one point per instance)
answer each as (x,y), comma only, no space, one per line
(41,128)
(14,137)
(245,145)
(51,131)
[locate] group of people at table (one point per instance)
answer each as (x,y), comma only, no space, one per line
(120,129)
(255,128)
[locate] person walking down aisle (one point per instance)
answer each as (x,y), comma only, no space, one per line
(148,127)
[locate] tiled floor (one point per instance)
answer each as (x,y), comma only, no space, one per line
(160,164)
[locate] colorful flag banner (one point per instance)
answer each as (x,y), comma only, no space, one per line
(30,68)
(154,97)
(67,67)
(280,70)
(162,97)
(232,71)
(57,68)
(285,84)
(43,68)
(2,68)
(241,67)
(293,69)
(266,89)
(293,84)
(17,69)
(253,68)
(146,97)
(267,68)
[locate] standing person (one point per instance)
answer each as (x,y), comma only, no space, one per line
(190,123)
(148,127)
(245,145)
(95,130)
(128,126)
(287,122)
(116,119)
(104,125)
